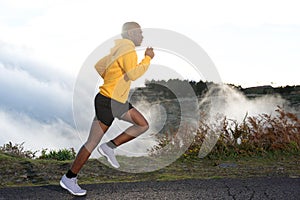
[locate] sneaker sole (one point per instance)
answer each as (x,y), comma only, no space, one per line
(107,158)
(66,188)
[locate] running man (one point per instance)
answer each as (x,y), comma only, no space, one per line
(117,69)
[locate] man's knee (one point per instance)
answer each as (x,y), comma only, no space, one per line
(91,145)
(144,126)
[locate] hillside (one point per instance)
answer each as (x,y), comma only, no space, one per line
(16,171)
(164,90)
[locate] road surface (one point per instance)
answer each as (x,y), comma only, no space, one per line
(254,188)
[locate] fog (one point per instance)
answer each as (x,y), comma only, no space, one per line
(224,101)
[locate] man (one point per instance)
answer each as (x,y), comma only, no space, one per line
(117,69)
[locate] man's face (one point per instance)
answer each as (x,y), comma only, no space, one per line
(136,35)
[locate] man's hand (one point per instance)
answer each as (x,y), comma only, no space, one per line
(149,52)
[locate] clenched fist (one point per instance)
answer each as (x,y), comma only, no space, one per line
(149,52)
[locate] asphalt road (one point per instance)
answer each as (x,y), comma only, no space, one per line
(254,188)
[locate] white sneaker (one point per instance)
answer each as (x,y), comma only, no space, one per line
(109,154)
(71,185)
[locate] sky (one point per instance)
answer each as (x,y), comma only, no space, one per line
(43,45)
(251,42)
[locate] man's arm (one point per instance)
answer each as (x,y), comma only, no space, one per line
(134,70)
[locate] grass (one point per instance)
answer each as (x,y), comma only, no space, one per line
(27,172)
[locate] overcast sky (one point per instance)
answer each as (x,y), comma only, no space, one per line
(250,42)
(43,45)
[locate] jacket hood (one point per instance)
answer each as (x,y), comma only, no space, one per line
(122,46)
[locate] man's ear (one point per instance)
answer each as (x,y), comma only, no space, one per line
(130,33)
(125,34)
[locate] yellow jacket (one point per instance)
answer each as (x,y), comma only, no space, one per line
(119,68)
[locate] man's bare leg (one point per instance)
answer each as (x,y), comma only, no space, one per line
(96,133)
(69,180)
(140,125)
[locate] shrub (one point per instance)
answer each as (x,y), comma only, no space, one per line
(258,135)
(62,154)
(17,150)
(255,135)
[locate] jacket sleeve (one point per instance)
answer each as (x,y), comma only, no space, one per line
(130,66)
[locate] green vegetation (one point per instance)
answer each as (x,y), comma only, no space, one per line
(62,154)
(17,150)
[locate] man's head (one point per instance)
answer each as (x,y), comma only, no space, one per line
(133,32)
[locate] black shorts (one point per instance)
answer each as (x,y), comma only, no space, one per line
(107,109)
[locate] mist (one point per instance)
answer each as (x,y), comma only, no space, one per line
(224,101)
(232,103)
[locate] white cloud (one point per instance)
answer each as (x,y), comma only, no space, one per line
(256,55)
(18,128)
(64,33)
(33,87)
(36,102)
